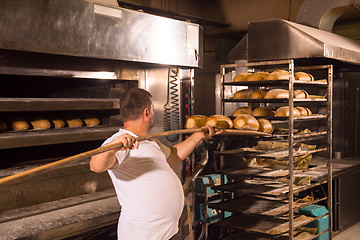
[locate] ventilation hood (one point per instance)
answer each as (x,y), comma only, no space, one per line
(277,39)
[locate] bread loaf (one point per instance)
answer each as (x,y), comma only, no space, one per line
(219,121)
(57,122)
(19,124)
(309,111)
(195,121)
(74,122)
(263,112)
(246,122)
(301,94)
(242,110)
(284,112)
(243,94)
(40,123)
(91,121)
(302,76)
(303,111)
(241,77)
(258,94)
(258,76)
(3,125)
(278,75)
(265,125)
(277,93)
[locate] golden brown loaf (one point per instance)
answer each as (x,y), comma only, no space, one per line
(278,75)
(277,93)
(246,122)
(241,77)
(196,121)
(74,122)
(91,121)
(258,76)
(303,111)
(219,121)
(309,111)
(265,125)
(263,112)
(284,112)
(302,94)
(303,76)
(40,123)
(57,122)
(242,110)
(258,94)
(20,124)
(243,94)
(3,125)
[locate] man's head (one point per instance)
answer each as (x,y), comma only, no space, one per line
(134,102)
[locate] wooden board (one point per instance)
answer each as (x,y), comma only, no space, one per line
(238,132)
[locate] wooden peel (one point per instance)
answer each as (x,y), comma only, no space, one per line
(76,158)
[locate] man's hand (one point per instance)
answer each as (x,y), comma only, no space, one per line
(127,141)
(211,132)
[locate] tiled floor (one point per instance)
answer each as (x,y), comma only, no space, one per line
(351,233)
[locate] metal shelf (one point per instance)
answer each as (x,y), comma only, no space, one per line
(57,104)
(316,83)
(54,136)
(275,100)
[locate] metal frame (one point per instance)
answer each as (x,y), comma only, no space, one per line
(291,83)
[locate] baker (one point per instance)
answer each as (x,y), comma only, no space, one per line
(147,188)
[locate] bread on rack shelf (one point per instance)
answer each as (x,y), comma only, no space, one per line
(91,121)
(3,125)
(278,75)
(284,112)
(195,121)
(241,77)
(300,94)
(243,94)
(219,121)
(258,94)
(246,122)
(304,111)
(57,122)
(303,76)
(40,123)
(263,112)
(241,110)
(74,122)
(258,76)
(265,125)
(19,124)
(276,94)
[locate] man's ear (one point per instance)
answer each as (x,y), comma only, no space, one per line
(146,112)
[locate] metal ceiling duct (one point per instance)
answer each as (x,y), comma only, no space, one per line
(280,39)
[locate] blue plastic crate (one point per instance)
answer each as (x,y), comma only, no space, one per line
(320,224)
(213,214)
(204,183)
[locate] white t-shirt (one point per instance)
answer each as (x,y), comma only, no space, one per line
(149,191)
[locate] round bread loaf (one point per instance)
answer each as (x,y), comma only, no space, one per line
(258,94)
(277,93)
(303,111)
(40,123)
(246,122)
(196,121)
(3,125)
(242,110)
(303,76)
(219,121)
(91,121)
(308,110)
(20,124)
(258,76)
(284,112)
(241,77)
(278,75)
(301,94)
(243,94)
(263,112)
(57,122)
(74,122)
(265,125)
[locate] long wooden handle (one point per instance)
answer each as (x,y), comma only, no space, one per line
(54,165)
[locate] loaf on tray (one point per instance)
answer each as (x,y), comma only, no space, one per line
(195,121)
(246,122)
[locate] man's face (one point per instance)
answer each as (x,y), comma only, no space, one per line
(152,117)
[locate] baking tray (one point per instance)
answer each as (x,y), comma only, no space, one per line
(316,83)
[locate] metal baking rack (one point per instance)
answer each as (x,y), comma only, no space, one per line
(266,182)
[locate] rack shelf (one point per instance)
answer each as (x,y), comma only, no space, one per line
(57,104)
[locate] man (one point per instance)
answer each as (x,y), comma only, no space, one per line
(148,190)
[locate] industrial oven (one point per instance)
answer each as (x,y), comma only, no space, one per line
(270,42)
(63,66)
